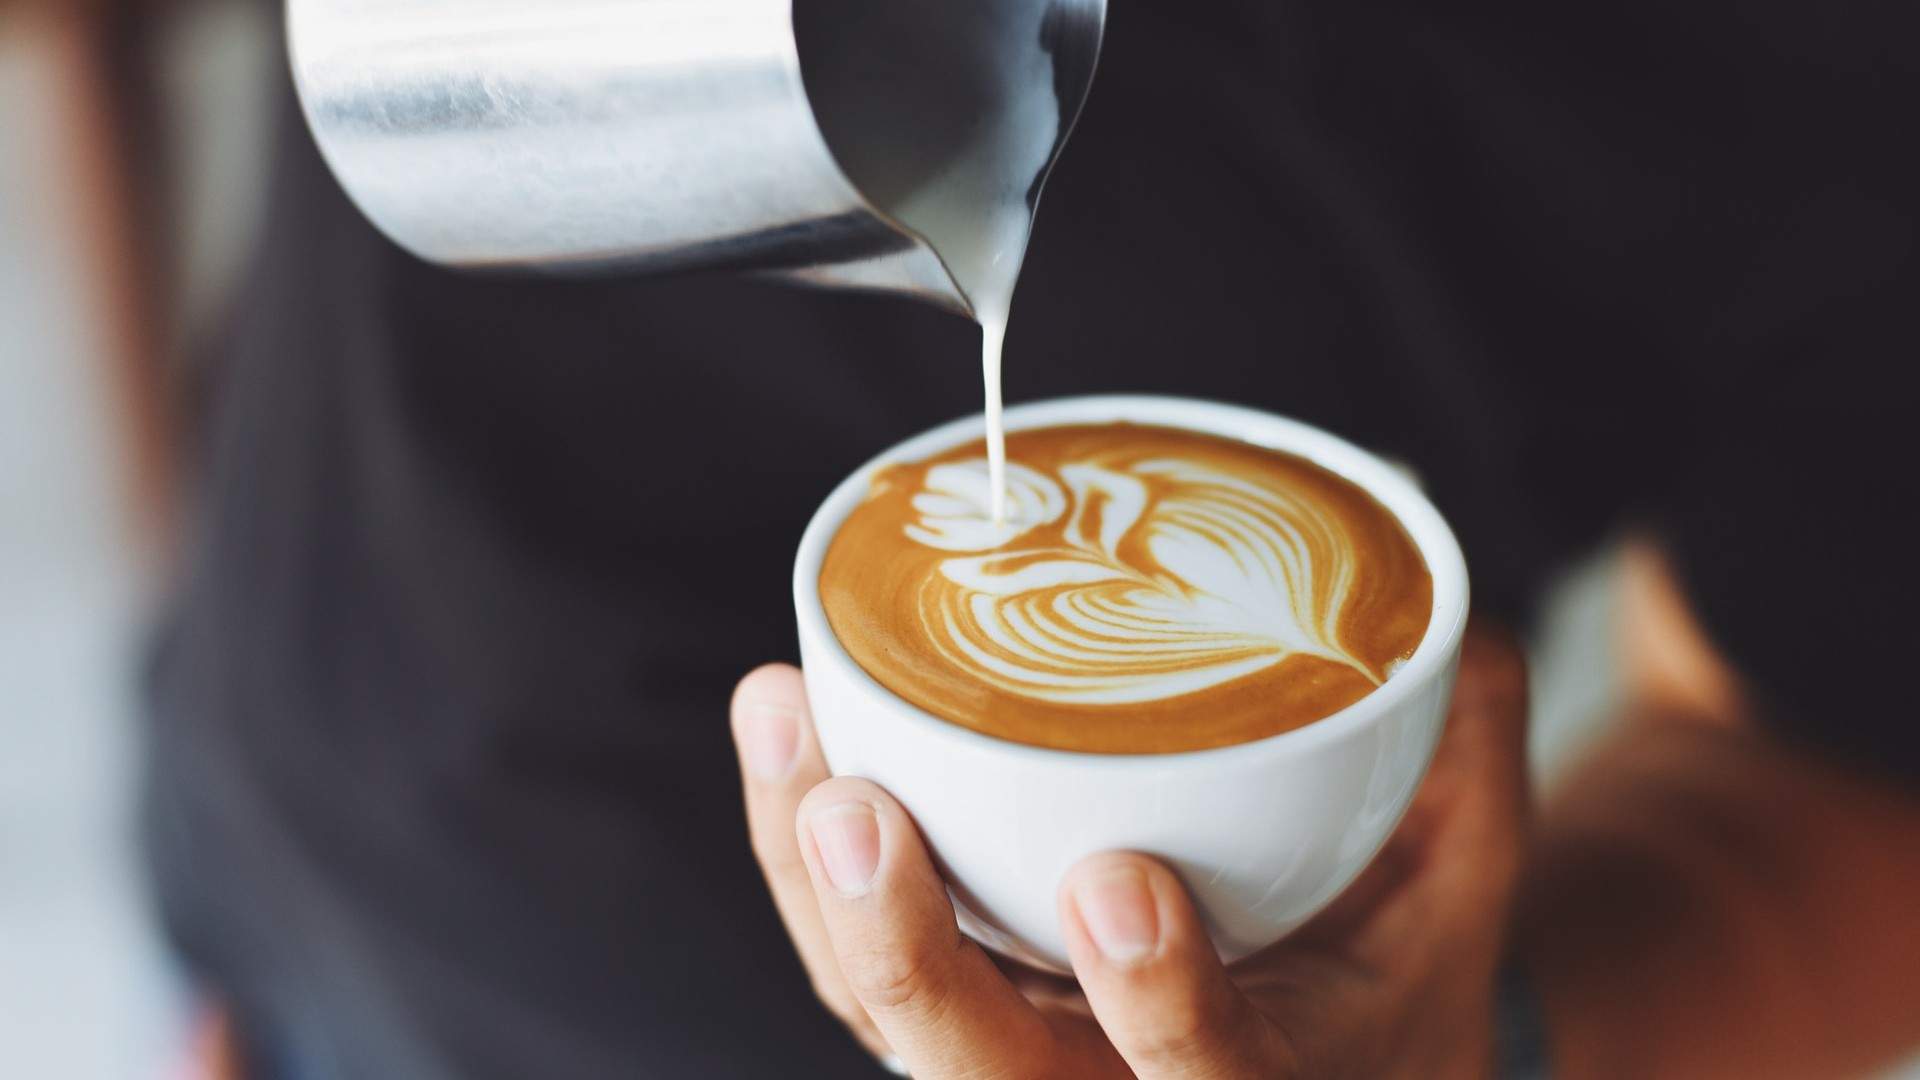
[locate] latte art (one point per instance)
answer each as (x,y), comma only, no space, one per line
(1225,578)
(1144,587)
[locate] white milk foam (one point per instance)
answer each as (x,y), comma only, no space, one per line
(1241,577)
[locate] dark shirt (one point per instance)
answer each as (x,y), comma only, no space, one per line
(441,783)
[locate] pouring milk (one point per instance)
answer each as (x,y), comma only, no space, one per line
(946,114)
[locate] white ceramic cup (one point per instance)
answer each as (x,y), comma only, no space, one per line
(1264,833)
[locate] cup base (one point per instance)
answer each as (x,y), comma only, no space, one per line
(993,939)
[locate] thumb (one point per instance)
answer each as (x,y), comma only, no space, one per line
(1153,979)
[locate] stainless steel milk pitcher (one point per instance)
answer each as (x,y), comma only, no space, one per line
(796,136)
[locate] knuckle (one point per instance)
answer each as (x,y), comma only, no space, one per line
(892,980)
(1188,1034)
(1179,1033)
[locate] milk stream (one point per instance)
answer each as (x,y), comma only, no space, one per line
(993,339)
(946,115)
(976,215)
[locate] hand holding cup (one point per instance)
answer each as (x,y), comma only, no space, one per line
(1396,976)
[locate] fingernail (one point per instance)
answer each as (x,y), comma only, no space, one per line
(769,740)
(1118,911)
(848,837)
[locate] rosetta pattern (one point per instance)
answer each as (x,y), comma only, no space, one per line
(1121,582)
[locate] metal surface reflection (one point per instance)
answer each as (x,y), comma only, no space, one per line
(643,135)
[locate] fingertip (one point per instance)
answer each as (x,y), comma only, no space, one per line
(1180,920)
(1118,919)
(779,685)
(770,722)
(1123,911)
(853,832)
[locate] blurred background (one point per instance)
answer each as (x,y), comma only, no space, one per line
(86,985)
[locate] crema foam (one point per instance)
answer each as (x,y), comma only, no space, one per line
(1146,590)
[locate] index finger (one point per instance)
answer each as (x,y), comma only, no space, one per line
(779,763)
(941,1003)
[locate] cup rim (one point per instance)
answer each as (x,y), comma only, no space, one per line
(1387,484)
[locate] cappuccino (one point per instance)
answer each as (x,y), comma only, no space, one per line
(1146,589)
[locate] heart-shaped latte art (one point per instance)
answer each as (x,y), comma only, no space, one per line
(1168,577)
